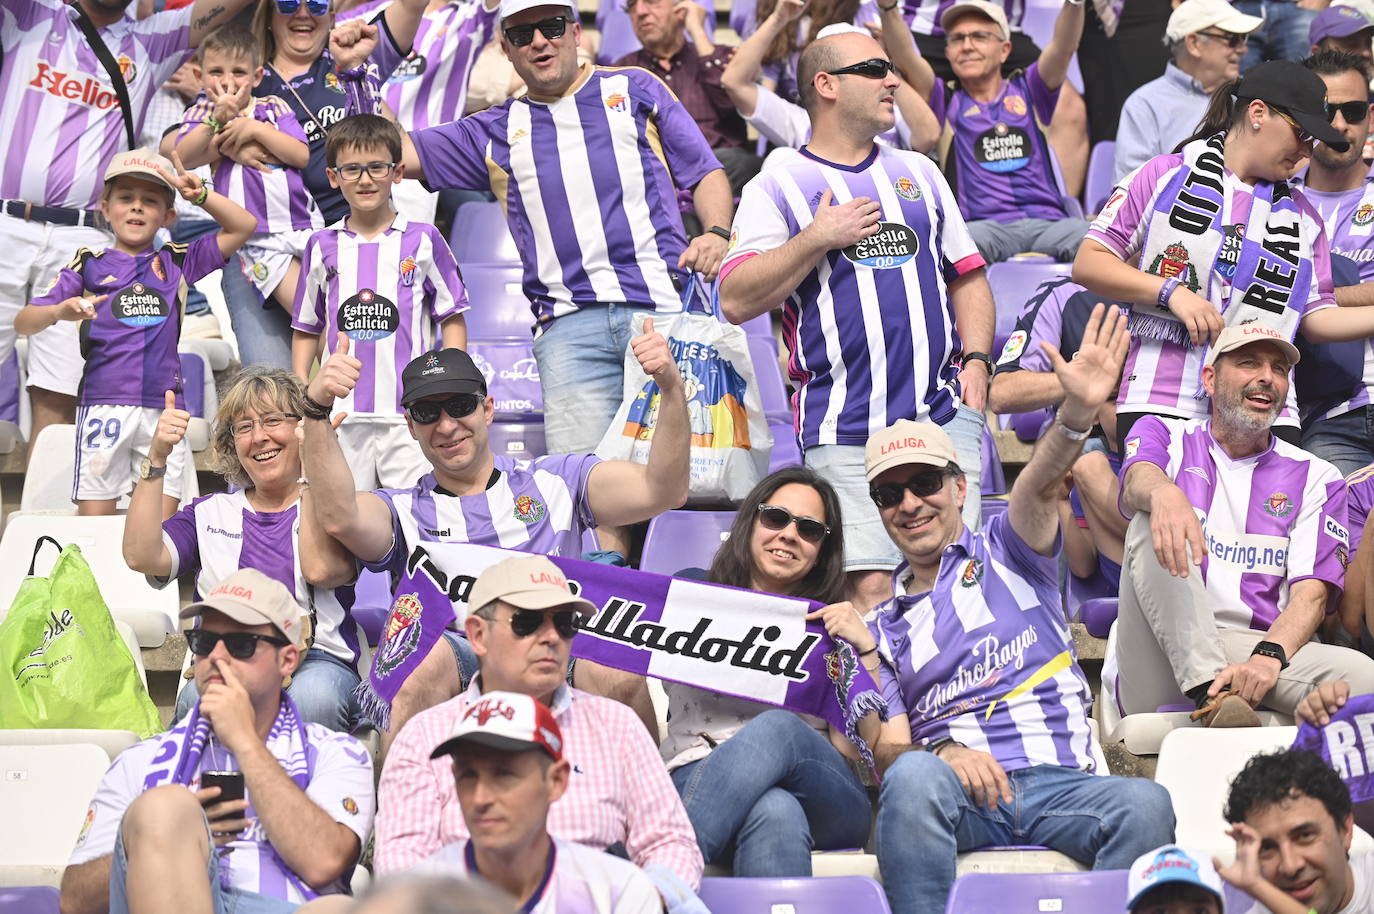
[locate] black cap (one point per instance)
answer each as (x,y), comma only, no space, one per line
(1298,92)
(444,371)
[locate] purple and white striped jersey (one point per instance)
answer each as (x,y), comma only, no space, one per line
(217,534)
(536,506)
(388,294)
(924,15)
(589,184)
(998,152)
(985,657)
(340,784)
(1359,494)
(430,87)
(61,117)
(1165,378)
(870,330)
(131,346)
(279,198)
(1269,520)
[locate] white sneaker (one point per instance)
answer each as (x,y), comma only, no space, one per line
(202,326)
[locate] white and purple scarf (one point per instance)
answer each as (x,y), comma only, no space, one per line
(737,642)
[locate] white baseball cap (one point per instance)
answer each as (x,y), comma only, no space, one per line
(141,163)
(511,7)
(1196,15)
(904,442)
(1172,863)
(992,11)
(1245,334)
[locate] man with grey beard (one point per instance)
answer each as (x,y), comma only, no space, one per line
(1236,550)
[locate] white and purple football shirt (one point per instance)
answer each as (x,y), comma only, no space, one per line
(1269,520)
(924,15)
(217,534)
(1166,378)
(589,185)
(278,198)
(985,657)
(430,87)
(388,294)
(131,345)
(998,151)
(1359,493)
(63,122)
(870,330)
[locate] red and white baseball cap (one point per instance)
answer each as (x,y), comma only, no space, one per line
(508,721)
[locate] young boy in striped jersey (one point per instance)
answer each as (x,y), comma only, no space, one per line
(382,288)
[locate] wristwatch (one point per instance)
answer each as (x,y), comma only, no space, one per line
(980,357)
(1270,649)
(146,470)
(719,231)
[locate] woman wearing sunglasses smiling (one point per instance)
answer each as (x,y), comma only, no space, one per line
(257,525)
(763,786)
(1216,235)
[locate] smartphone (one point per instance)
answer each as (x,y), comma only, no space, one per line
(230,784)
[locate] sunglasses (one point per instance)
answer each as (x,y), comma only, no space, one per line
(1304,138)
(426,412)
(808,528)
(525,622)
(922,485)
(551,28)
(873,68)
(1353,112)
(1232,40)
(353,171)
(240,645)
(313,7)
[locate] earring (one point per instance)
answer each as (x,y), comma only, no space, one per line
(1254,125)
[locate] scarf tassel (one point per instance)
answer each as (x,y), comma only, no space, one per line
(1155,327)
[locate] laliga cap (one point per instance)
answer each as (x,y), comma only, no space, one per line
(443,371)
(982,7)
(508,721)
(142,163)
(1245,334)
(1195,15)
(1172,863)
(906,442)
(252,598)
(511,7)
(526,582)
(1337,22)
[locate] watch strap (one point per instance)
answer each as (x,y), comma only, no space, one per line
(719,231)
(980,357)
(1272,649)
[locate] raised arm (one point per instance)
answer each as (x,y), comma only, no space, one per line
(1063,43)
(901,49)
(144,549)
(742,73)
(236,224)
(208,15)
(324,560)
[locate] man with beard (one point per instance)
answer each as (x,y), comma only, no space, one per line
(1236,549)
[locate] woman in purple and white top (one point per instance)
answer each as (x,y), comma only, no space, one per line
(1216,235)
(763,786)
(255,447)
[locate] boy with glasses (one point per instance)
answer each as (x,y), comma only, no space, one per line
(381,289)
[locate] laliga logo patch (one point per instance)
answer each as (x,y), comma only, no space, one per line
(158,269)
(890,247)
(402,633)
(139,306)
(368,316)
(1016,344)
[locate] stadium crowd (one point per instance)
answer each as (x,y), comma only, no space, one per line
(1195,377)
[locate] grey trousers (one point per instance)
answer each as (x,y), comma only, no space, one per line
(1167,639)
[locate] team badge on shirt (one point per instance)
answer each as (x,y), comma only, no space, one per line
(260,271)
(402,634)
(1174,262)
(1364,215)
(618,101)
(86,826)
(408,272)
(1343,556)
(1278,505)
(907,188)
(331,82)
(158,269)
(1132,447)
(350,805)
(972,573)
(1016,105)
(528,509)
(126,68)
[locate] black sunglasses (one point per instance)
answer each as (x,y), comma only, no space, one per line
(240,645)
(1232,39)
(525,622)
(808,528)
(551,28)
(1353,112)
(426,412)
(873,68)
(922,485)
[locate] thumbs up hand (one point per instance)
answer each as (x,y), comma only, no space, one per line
(171,428)
(337,376)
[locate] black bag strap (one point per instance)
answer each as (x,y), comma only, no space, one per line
(37,546)
(108,62)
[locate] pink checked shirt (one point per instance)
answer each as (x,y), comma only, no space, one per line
(619,791)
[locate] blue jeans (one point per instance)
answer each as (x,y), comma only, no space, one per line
(997,241)
(925,818)
(771,793)
(322,689)
(463,655)
(1346,440)
(225,900)
(1283,36)
(581,359)
(263,330)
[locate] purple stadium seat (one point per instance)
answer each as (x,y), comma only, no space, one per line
(994,477)
(817,895)
(499,307)
(1012,283)
(193,382)
(372,603)
(683,539)
(1099,614)
(481,235)
(30,899)
(517,440)
(786,453)
(1032,893)
(512,377)
(1101,166)
(761,326)
(772,389)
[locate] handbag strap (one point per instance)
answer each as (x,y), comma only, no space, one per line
(107,60)
(37,546)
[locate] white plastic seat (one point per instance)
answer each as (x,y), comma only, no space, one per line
(217,353)
(48,481)
(111,742)
(44,791)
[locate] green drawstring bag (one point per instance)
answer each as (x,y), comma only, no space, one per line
(62,662)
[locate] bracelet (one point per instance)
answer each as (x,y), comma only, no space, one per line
(1072,434)
(887,9)
(317,411)
(871,650)
(214,125)
(1167,290)
(202,196)
(939,745)
(1074,2)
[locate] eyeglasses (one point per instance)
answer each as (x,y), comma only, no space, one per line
(873,68)
(426,412)
(270,423)
(1304,138)
(375,170)
(808,528)
(551,28)
(1353,112)
(1232,40)
(525,622)
(240,645)
(313,7)
(980,37)
(922,485)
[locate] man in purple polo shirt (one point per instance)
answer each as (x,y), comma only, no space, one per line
(979,670)
(1231,625)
